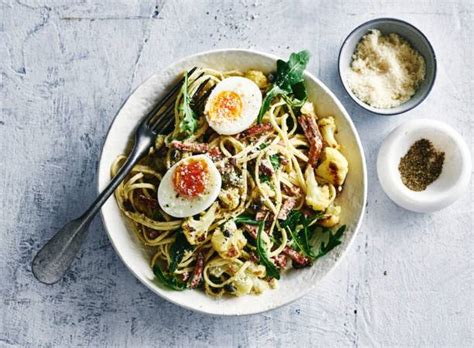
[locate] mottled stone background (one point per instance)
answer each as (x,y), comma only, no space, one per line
(67,66)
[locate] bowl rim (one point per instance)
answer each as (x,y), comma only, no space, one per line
(360,102)
(312,286)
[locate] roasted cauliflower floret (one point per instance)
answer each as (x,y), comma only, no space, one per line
(259,285)
(242,284)
(250,281)
(258,77)
(333,168)
(331,216)
(318,197)
(196,230)
(228,241)
(308,109)
(230,198)
(327,127)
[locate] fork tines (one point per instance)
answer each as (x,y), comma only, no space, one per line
(149,119)
(164,122)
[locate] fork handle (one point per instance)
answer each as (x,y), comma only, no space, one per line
(53,260)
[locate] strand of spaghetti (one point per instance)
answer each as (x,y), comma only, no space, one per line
(243,267)
(251,148)
(162,238)
(155,225)
(284,242)
(265,198)
(138,186)
(294,121)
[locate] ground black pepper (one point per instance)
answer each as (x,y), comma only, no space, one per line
(421,165)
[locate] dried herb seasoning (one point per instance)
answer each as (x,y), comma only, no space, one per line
(421,165)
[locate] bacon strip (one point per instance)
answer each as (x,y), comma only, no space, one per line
(251,229)
(286,208)
(190,147)
(197,273)
(291,190)
(253,131)
(148,202)
(215,154)
(299,260)
(280,261)
(311,131)
(266,168)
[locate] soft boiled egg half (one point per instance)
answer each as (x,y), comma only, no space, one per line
(233,105)
(189,187)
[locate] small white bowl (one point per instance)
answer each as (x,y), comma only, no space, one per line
(455,175)
(413,35)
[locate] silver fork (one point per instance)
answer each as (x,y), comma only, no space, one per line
(53,260)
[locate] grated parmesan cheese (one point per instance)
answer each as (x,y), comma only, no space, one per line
(385,70)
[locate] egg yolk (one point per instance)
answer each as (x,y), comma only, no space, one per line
(227,105)
(190,178)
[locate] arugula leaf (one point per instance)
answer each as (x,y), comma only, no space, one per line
(188,124)
(291,73)
(246,219)
(333,241)
(178,248)
(168,281)
(272,271)
(289,81)
(275,161)
(264,178)
(271,94)
(301,238)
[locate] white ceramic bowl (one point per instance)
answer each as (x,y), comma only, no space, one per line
(407,31)
(294,284)
(454,178)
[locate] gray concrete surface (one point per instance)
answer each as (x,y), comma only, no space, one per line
(67,66)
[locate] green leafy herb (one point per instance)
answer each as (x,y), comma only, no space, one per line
(289,82)
(300,229)
(168,281)
(178,248)
(264,178)
(272,271)
(275,161)
(246,219)
(333,241)
(188,124)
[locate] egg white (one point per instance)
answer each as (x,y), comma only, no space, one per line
(251,98)
(175,205)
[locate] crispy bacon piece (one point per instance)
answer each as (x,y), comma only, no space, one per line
(262,213)
(299,260)
(190,147)
(150,233)
(148,202)
(197,273)
(253,257)
(311,131)
(251,229)
(283,160)
(280,261)
(292,190)
(256,130)
(286,208)
(215,154)
(266,168)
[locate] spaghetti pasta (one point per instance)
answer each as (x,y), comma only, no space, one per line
(263,179)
